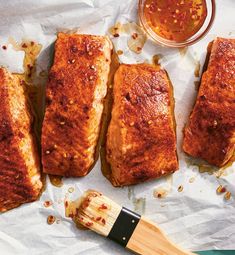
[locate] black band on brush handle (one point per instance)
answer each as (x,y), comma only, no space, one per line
(124,226)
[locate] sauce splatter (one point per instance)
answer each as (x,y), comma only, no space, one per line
(197,69)
(138,202)
(119,52)
(56,180)
(136,35)
(183,51)
(192,179)
(160,192)
(51,219)
(47,203)
(71,189)
(156,58)
(175,20)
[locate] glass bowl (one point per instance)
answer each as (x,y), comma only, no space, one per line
(211,9)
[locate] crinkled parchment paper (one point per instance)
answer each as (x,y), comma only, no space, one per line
(194,216)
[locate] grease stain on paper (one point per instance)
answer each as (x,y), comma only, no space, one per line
(138,202)
(136,35)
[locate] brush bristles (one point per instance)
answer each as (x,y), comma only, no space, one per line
(97,212)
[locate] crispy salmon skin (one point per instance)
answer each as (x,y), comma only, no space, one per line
(141,140)
(210,133)
(19,162)
(74,103)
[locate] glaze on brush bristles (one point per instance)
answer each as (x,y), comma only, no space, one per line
(96,212)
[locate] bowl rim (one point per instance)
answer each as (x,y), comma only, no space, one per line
(164,42)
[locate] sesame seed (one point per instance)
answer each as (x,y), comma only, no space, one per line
(62,123)
(90,53)
(175,20)
(55,146)
(132,124)
(65,155)
(150,122)
(91,78)
(92,67)
(71,61)
(70,101)
(48,152)
(177,11)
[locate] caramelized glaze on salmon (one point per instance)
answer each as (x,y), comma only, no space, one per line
(74,103)
(210,133)
(19,162)
(141,140)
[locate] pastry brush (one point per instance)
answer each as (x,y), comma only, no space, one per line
(100,214)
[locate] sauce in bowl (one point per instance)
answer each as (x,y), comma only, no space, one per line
(176,21)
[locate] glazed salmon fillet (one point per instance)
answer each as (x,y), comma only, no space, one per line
(74,103)
(210,133)
(19,162)
(141,140)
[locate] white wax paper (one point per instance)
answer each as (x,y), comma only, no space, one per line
(196,218)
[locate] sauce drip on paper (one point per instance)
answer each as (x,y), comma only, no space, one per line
(175,20)
(56,180)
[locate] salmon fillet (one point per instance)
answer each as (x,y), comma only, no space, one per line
(141,140)
(19,161)
(74,103)
(210,133)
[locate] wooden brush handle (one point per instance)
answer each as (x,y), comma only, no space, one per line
(148,239)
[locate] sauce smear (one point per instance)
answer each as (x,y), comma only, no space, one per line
(175,20)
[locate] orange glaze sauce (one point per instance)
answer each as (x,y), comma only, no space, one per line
(175,20)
